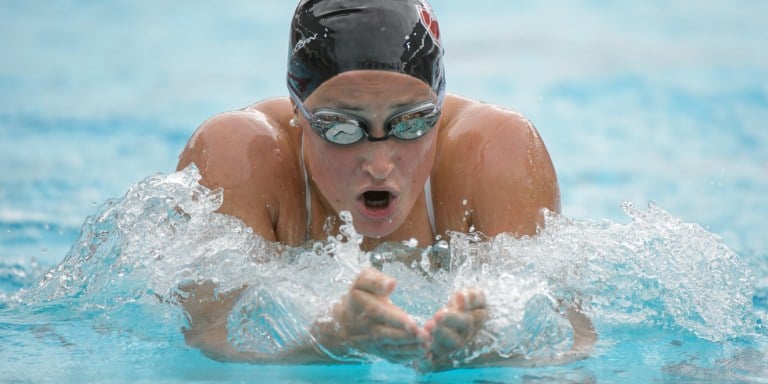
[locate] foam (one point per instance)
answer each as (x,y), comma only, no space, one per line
(164,233)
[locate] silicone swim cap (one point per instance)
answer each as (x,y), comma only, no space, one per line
(329,37)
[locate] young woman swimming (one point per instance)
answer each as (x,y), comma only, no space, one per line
(369,129)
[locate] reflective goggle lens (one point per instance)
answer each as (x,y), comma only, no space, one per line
(341,128)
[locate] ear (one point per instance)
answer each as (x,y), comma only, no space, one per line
(294,122)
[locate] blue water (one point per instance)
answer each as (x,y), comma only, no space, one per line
(638,101)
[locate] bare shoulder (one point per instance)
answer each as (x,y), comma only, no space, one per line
(498,160)
(252,155)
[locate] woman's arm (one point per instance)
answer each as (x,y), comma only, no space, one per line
(364,322)
(207,314)
(512,181)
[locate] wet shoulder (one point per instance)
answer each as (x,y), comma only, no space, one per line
(489,157)
(253,156)
(471,119)
(229,142)
(474,133)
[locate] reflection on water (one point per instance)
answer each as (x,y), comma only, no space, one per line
(656,272)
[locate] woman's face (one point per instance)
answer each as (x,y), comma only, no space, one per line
(378,182)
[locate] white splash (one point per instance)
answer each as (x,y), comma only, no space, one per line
(164,233)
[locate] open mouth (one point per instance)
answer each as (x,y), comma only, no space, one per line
(377,199)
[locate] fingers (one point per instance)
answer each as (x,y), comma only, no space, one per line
(455,325)
(371,309)
(374,282)
(451,331)
(366,302)
(467,299)
(374,325)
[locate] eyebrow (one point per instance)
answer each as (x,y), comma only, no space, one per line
(346,107)
(355,108)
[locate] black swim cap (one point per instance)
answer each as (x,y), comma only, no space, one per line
(329,37)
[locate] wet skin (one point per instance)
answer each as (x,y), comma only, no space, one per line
(255,155)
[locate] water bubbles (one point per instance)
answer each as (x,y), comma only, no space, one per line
(425,263)
(329,224)
(346,217)
(411,243)
(318,248)
(346,249)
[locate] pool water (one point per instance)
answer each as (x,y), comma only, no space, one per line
(638,102)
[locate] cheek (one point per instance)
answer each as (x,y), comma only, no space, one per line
(417,159)
(330,171)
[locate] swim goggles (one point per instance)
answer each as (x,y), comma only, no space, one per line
(343,128)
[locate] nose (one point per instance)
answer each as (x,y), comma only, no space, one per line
(377,160)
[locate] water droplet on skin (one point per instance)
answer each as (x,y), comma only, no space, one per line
(425,264)
(464,202)
(278,155)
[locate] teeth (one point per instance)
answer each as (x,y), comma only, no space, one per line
(376,199)
(377,203)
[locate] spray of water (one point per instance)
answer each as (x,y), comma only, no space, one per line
(165,234)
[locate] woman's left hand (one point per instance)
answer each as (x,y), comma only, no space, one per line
(453,327)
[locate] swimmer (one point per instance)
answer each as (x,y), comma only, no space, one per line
(369,128)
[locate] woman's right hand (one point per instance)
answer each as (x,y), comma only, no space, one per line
(366,320)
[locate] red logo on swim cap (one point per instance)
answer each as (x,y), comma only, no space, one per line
(429,21)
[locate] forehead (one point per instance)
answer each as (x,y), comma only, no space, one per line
(370,86)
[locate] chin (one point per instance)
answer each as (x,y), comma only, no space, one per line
(377,233)
(376,229)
